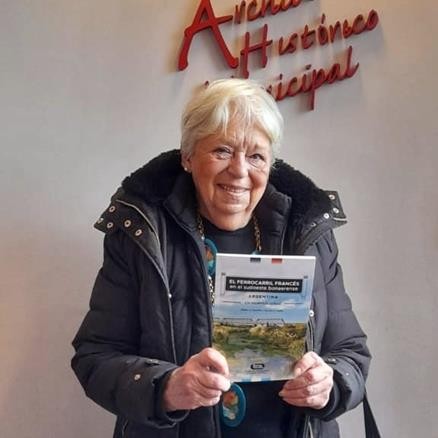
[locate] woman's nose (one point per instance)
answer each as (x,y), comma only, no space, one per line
(238,165)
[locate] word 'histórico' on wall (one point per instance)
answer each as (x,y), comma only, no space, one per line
(323,34)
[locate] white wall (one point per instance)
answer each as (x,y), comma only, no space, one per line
(89,91)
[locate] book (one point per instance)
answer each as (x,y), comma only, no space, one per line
(261,312)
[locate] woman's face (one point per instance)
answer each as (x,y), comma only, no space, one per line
(230,172)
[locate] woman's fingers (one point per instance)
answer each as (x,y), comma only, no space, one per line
(199,382)
(312,384)
(308,361)
(213,360)
(215,369)
(212,380)
(308,390)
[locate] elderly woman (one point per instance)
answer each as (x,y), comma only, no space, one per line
(144,349)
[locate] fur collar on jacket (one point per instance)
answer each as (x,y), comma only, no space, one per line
(155,180)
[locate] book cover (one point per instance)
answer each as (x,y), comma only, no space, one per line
(261,312)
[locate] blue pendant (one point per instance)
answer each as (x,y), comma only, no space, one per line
(210,253)
(233,406)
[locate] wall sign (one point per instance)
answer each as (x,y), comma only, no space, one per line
(323,34)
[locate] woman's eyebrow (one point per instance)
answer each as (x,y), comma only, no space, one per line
(256,147)
(228,142)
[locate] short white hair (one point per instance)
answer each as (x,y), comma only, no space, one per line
(227,101)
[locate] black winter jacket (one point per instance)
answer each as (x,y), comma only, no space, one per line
(150,308)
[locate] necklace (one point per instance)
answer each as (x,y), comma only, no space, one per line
(211,250)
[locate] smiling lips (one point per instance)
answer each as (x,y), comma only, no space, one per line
(233,190)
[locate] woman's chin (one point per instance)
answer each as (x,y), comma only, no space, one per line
(230,219)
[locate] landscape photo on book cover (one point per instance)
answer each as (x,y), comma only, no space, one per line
(274,340)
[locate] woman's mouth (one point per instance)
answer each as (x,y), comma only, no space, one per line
(235,190)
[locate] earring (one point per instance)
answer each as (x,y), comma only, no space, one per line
(186,169)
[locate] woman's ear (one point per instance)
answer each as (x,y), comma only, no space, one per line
(185,163)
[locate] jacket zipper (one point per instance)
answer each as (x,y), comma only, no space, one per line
(207,289)
(161,274)
(209,307)
(204,272)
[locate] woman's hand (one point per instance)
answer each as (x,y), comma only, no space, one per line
(199,382)
(311,385)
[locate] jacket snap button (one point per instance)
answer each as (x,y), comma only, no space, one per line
(138,233)
(127,223)
(332,197)
(112,209)
(311,313)
(336,210)
(109,225)
(326,215)
(137,377)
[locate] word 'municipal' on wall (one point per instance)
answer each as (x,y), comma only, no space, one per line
(320,35)
(313,79)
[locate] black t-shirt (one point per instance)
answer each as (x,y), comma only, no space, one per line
(267,415)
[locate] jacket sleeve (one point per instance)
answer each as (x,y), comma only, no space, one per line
(344,343)
(107,362)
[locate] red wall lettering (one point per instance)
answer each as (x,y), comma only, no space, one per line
(198,25)
(305,39)
(247,49)
(314,79)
